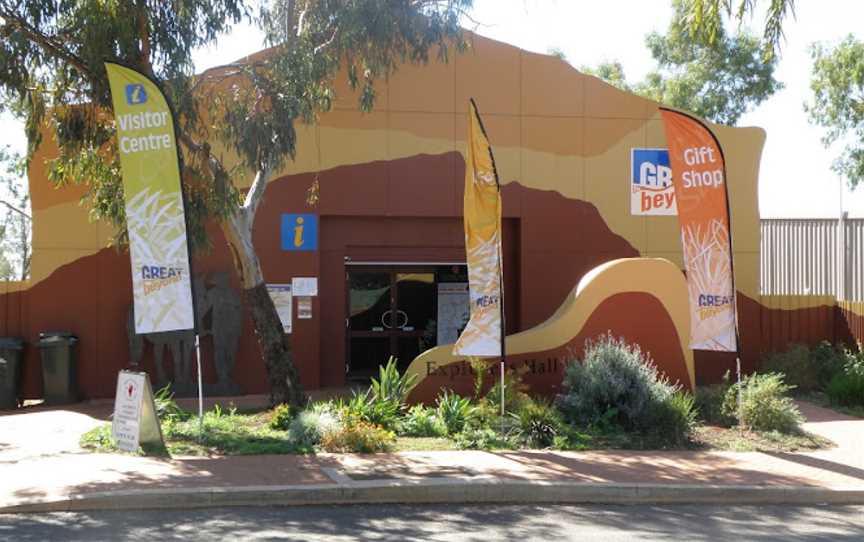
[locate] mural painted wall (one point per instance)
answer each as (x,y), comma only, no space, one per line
(391,189)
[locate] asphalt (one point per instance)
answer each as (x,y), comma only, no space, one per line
(42,468)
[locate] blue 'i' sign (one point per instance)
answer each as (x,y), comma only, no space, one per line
(299,232)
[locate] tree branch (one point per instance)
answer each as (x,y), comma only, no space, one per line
(48,43)
(256,193)
(144,33)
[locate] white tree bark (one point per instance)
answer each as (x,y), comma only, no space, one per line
(238,232)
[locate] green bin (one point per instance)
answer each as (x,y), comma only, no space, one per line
(59,371)
(10,371)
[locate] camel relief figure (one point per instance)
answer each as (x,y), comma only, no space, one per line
(222,305)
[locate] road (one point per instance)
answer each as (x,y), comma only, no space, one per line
(448,523)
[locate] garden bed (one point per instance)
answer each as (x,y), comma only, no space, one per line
(250,434)
(614,398)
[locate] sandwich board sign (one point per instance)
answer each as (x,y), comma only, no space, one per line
(135,421)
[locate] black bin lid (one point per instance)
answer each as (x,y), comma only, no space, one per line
(49,337)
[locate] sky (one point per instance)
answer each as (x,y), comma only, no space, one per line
(795,178)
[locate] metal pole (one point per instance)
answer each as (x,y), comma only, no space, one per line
(740,401)
(502,396)
(200,387)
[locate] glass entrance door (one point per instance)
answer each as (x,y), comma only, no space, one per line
(391,311)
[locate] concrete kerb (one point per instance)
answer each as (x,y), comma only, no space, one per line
(479,490)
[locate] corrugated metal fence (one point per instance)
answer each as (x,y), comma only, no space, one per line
(813,257)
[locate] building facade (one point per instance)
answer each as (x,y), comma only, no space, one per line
(385,239)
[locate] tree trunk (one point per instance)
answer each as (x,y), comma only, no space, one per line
(275,345)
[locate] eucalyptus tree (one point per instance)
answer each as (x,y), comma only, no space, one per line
(837,83)
(15,247)
(705,19)
(720,78)
(51,67)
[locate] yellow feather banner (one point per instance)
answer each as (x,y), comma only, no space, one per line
(483,333)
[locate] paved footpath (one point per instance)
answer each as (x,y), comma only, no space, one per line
(43,468)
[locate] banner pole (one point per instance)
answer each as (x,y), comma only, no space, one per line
(200,387)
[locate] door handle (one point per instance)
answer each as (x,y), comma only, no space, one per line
(403,313)
(384,319)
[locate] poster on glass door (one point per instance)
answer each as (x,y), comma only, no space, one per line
(453,310)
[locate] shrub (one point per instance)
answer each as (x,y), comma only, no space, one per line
(765,404)
(796,366)
(421,421)
(538,424)
(846,388)
(310,426)
(481,438)
(391,386)
(709,403)
(616,383)
(167,408)
(672,419)
(828,360)
(453,411)
(480,368)
(807,369)
(515,395)
(282,416)
(571,439)
(366,407)
(360,437)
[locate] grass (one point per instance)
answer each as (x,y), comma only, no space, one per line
(423,444)
(733,440)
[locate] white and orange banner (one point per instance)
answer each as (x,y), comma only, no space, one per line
(699,177)
(482,334)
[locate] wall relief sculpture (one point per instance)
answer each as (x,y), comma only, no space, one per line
(219,315)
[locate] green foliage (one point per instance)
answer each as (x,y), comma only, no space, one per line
(360,437)
(846,388)
(282,417)
(392,387)
(765,404)
(311,425)
(705,19)
(804,368)
(99,440)
(226,433)
(515,392)
(828,360)
(364,406)
(709,403)
(837,83)
(616,385)
(571,439)
(719,79)
(453,410)
(480,368)
(557,52)
(672,420)
(15,231)
(421,421)
(795,366)
(538,424)
(611,72)
(167,408)
(481,438)
(615,382)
